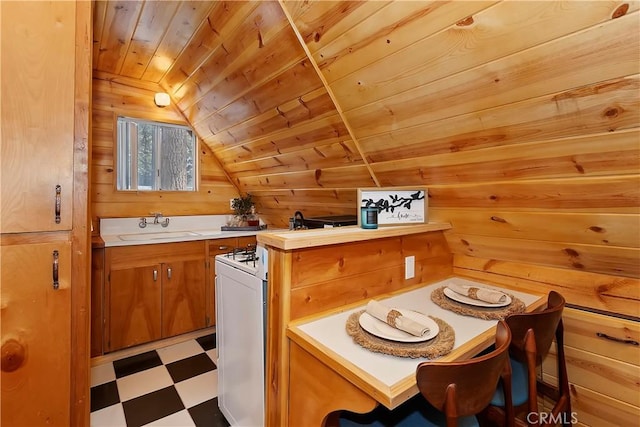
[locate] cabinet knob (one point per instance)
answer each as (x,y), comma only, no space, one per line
(155,275)
(169,272)
(13,355)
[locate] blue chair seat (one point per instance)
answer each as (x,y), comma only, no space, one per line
(412,414)
(519,386)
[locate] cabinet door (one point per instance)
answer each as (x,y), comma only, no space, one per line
(135,303)
(37,111)
(183,293)
(36,329)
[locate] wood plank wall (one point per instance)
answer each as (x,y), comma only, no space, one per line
(111,99)
(521,118)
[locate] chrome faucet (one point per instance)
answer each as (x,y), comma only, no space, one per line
(156,219)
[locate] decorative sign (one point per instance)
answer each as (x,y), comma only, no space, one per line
(396,206)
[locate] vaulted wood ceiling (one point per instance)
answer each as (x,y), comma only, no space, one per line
(397,82)
(507,106)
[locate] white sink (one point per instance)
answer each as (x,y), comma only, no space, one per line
(209,232)
(154,236)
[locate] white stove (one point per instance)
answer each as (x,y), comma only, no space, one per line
(251,259)
(241,287)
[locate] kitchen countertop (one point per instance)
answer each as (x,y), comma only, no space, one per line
(126,232)
(298,239)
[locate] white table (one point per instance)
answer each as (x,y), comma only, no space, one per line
(322,346)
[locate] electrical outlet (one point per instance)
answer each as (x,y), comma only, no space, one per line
(231,204)
(409,267)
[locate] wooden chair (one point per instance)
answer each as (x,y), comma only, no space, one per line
(454,391)
(532,336)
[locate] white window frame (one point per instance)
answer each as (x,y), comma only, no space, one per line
(127,154)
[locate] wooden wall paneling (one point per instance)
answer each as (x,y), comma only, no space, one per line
(221,21)
(111,98)
(234,69)
(342,153)
(131,102)
(615,378)
(322,296)
(275,207)
(311,106)
(331,276)
(596,409)
(597,108)
(593,155)
(609,293)
(322,22)
(125,81)
(600,53)
(582,331)
(584,228)
(154,19)
(617,261)
(593,361)
(81,303)
(335,262)
(239,65)
(391,30)
(120,21)
(569,195)
(341,177)
(99,12)
(186,20)
(326,129)
(512,26)
(298,79)
(317,198)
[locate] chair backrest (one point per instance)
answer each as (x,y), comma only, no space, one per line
(543,324)
(465,388)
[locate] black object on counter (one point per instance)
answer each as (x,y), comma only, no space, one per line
(331,221)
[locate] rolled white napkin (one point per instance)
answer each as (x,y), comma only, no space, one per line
(396,319)
(478,293)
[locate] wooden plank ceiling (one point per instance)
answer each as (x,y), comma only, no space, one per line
(507,105)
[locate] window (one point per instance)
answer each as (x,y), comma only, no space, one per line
(155,156)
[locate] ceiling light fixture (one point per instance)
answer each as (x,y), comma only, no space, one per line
(162,99)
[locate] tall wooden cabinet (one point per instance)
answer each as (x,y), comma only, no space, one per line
(45,98)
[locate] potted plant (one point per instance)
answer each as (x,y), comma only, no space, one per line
(244,210)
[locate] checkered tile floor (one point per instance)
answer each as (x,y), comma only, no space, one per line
(171,386)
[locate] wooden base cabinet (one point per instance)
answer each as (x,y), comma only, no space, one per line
(153,292)
(603,364)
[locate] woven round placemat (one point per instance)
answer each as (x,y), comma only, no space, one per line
(486,313)
(439,346)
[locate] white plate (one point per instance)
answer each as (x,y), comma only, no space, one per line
(383,330)
(470,301)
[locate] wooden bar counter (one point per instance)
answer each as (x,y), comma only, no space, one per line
(315,272)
